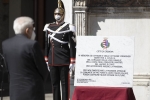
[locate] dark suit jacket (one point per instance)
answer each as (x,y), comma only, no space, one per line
(26,67)
(59,54)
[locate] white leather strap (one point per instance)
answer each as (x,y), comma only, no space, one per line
(55,32)
(63,42)
(61,27)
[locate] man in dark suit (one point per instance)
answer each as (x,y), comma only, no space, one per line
(25,61)
(60,52)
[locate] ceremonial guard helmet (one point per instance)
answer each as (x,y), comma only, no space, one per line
(60,10)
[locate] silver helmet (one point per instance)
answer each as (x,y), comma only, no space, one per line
(60,12)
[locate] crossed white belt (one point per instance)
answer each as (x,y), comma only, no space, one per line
(54,32)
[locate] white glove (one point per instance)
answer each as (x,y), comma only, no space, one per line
(71,67)
(48,66)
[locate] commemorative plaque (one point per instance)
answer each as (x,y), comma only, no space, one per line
(104,61)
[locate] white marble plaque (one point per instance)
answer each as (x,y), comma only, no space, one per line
(104,61)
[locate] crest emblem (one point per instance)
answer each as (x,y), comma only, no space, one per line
(105,44)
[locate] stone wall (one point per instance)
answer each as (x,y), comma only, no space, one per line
(4,20)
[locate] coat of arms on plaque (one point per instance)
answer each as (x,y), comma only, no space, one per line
(105,44)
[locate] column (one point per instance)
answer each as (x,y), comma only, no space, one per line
(80,17)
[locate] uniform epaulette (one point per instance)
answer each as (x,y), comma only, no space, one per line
(45,27)
(72,28)
(49,24)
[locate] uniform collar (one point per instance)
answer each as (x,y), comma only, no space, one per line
(61,23)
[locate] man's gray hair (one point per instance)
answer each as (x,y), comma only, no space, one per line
(21,23)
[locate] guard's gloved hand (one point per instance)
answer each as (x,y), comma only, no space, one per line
(48,66)
(46,59)
(72,66)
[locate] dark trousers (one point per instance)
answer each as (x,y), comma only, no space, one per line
(60,73)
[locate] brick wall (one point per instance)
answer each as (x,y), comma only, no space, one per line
(4,21)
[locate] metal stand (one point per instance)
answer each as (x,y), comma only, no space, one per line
(2,84)
(2,63)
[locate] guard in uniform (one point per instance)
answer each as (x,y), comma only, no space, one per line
(60,52)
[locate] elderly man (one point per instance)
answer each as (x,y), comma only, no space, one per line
(25,61)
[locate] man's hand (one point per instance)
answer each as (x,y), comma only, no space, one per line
(72,66)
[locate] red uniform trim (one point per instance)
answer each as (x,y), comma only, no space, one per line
(68,86)
(46,58)
(72,60)
(52,53)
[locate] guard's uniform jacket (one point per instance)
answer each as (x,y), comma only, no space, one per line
(60,44)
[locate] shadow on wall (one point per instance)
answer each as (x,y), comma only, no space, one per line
(105,22)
